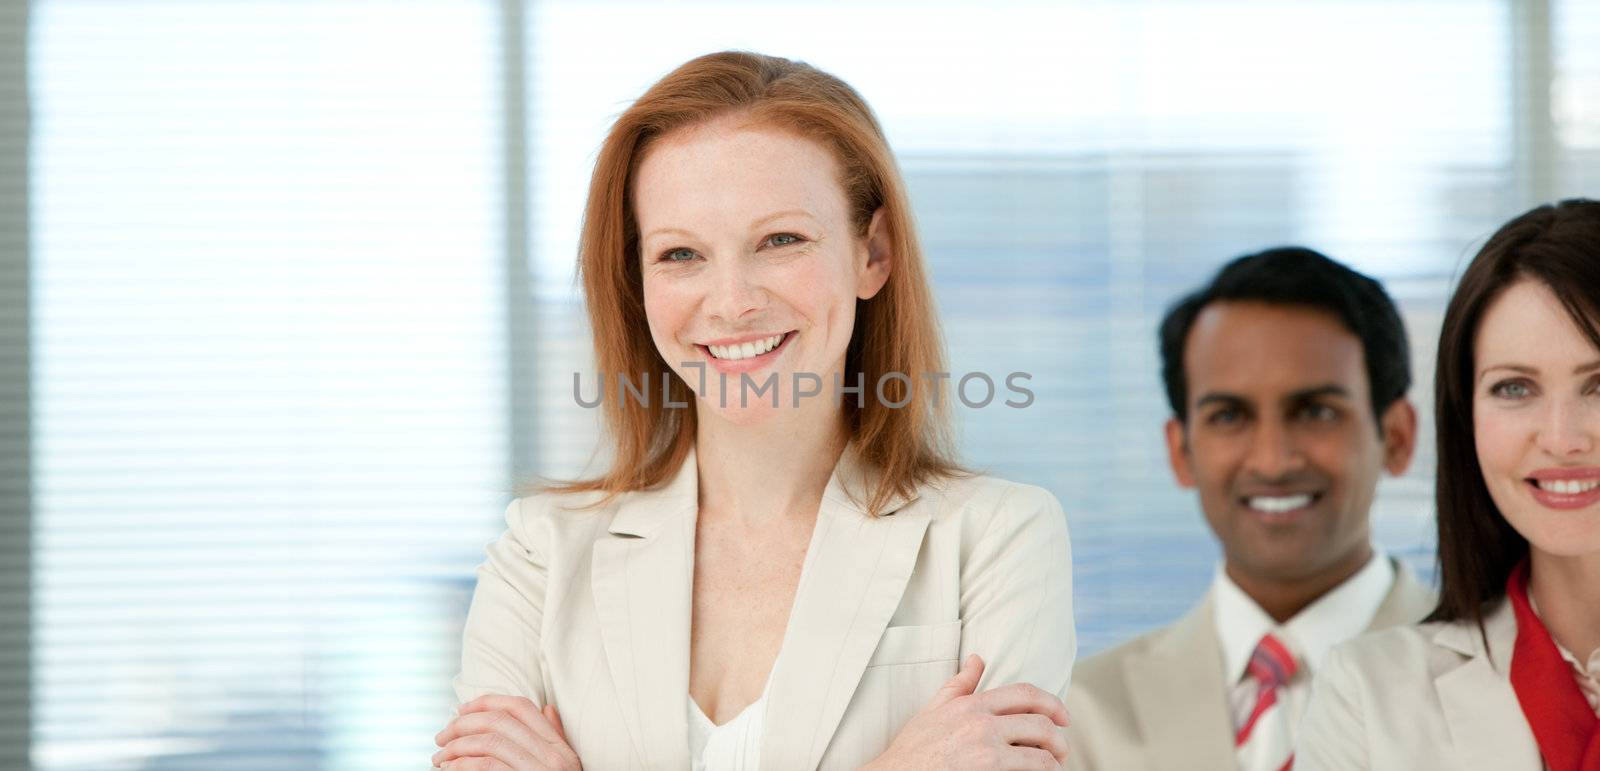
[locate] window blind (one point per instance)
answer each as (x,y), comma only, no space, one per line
(1575,96)
(271,353)
(270,376)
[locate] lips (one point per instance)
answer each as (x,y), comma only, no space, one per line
(1280,507)
(1565,488)
(746,363)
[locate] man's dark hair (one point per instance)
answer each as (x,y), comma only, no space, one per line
(1297,276)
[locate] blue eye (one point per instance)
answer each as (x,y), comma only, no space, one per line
(783,239)
(677,255)
(1511,389)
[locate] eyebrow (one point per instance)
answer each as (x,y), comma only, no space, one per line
(666,231)
(758,223)
(1224,398)
(1524,369)
(781,215)
(1331,389)
(1302,395)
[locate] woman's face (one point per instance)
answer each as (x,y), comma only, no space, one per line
(1536,417)
(751,266)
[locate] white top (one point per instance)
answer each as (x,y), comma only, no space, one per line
(732,746)
(1588,677)
(1341,614)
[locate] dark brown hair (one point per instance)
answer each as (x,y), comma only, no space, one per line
(1559,246)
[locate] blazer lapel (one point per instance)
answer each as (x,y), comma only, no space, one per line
(1407,602)
(1487,728)
(643,574)
(1180,697)
(855,572)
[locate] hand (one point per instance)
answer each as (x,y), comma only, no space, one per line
(505,733)
(1011,727)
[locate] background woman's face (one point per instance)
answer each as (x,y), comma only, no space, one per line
(751,265)
(1536,417)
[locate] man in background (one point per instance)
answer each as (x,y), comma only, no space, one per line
(1287,377)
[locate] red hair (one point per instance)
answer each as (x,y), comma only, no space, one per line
(895,331)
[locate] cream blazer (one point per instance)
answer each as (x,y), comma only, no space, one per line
(1159,701)
(589,610)
(1418,698)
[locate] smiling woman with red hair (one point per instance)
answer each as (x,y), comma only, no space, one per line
(784,566)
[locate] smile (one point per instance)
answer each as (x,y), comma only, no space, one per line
(745,350)
(734,357)
(1280,504)
(1565,488)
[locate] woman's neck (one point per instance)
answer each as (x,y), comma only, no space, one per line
(778,467)
(1567,591)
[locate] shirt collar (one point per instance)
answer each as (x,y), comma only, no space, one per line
(1341,614)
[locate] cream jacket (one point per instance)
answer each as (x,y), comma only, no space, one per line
(1159,701)
(589,610)
(1419,698)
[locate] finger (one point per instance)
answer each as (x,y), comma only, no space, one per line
(962,684)
(1018,698)
(1033,730)
(475,764)
(1028,759)
(489,745)
(564,748)
(554,717)
(524,710)
(490,723)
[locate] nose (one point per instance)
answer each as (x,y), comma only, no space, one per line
(735,291)
(1569,428)
(1274,453)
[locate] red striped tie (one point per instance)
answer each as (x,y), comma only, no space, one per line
(1263,741)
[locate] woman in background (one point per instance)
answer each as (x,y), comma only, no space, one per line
(1503,674)
(776,572)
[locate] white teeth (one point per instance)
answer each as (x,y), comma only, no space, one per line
(745,350)
(1279,504)
(1568,486)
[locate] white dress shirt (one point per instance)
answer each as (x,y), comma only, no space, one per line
(1341,614)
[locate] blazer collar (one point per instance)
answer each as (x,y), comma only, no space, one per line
(1499,626)
(1407,602)
(855,571)
(641,513)
(1179,691)
(1487,728)
(1180,696)
(853,482)
(642,576)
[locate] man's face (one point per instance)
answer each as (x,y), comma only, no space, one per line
(1280,439)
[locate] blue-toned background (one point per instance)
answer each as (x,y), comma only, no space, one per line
(290,304)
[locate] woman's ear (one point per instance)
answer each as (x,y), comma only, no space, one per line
(873,273)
